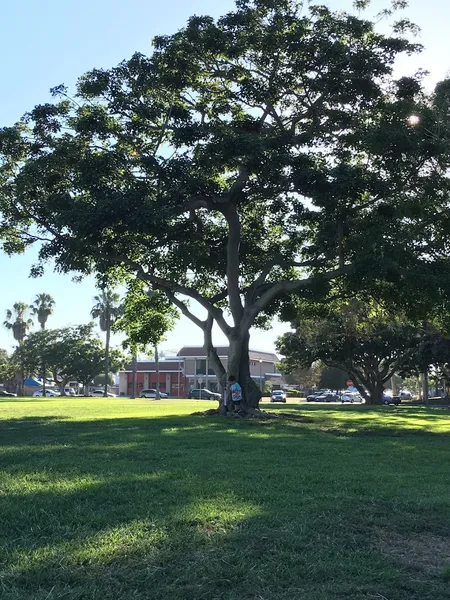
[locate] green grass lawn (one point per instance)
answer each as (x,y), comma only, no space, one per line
(136,499)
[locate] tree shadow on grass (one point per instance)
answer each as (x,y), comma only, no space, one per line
(185,508)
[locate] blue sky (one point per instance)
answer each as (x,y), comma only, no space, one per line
(50,42)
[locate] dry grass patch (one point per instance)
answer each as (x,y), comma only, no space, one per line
(421,551)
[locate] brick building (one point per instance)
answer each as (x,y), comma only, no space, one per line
(190,369)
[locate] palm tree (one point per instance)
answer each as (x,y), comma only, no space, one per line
(42,308)
(17,322)
(107,310)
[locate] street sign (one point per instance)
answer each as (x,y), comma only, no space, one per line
(349,383)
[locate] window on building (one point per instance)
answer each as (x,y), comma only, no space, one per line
(200,367)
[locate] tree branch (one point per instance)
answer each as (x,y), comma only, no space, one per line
(211,352)
(174,287)
(233,261)
(184,309)
(285,287)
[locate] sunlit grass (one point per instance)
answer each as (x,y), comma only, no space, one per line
(137,499)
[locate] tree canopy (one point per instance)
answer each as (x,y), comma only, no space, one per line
(268,153)
(70,353)
(17,321)
(365,341)
(146,317)
(42,308)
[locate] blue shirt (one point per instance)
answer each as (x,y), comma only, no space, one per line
(236,392)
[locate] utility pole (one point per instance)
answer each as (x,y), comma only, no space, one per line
(157,396)
(260,376)
(134,376)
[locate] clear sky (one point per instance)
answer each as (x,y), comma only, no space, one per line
(50,42)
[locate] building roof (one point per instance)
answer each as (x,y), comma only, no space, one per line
(222,351)
(164,366)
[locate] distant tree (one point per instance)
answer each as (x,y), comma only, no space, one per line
(100,380)
(8,369)
(411,383)
(89,361)
(306,378)
(71,353)
(432,353)
(18,322)
(107,310)
(42,308)
(359,338)
(147,317)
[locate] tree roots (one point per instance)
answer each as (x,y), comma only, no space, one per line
(253,413)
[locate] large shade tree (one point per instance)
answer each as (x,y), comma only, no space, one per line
(268,153)
(107,309)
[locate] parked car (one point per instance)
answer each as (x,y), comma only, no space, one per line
(278,396)
(152,394)
(101,393)
(5,394)
(313,397)
(48,393)
(327,397)
(405,395)
(388,398)
(70,391)
(204,394)
(352,397)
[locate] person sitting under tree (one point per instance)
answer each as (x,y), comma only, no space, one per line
(236,393)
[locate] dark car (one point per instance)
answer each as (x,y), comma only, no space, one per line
(204,394)
(328,397)
(390,399)
(314,397)
(4,394)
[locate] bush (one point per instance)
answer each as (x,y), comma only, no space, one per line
(295,393)
(268,387)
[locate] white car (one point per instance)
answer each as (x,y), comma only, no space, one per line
(101,394)
(352,397)
(48,393)
(278,396)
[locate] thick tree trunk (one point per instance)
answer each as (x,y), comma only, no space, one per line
(63,386)
(239,366)
(376,393)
